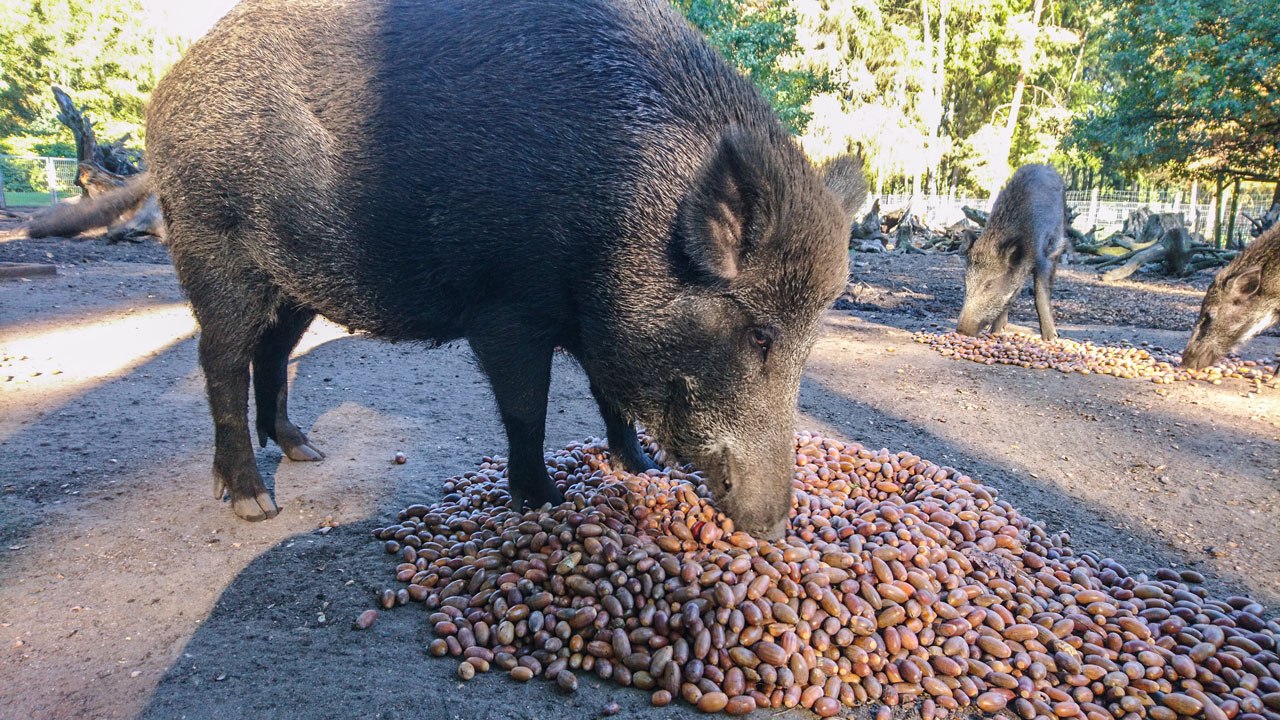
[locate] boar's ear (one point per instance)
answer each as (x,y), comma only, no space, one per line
(718,215)
(844,177)
(1245,284)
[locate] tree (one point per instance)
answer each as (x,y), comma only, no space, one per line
(758,36)
(96,49)
(926,88)
(1192,85)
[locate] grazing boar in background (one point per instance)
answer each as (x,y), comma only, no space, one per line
(1243,300)
(1022,238)
(526,175)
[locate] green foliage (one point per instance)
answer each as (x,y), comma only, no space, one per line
(923,88)
(1188,85)
(758,36)
(97,50)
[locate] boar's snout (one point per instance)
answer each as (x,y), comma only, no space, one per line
(752,484)
(968,325)
(1198,355)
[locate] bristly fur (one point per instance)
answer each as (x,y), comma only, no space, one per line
(526,175)
(1242,301)
(71,219)
(1023,238)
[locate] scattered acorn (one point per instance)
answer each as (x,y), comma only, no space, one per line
(1151,363)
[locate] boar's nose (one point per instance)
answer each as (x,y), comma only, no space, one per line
(757,493)
(1198,357)
(772,532)
(967,325)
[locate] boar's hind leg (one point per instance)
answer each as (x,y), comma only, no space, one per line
(1044,288)
(229,327)
(271,383)
(519,370)
(623,441)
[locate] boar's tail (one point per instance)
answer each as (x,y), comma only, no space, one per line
(71,219)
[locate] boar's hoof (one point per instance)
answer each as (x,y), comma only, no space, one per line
(536,498)
(295,444)
(257,507)
(303,452)
(639,463)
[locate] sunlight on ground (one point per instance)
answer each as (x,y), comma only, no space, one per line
(46,367)
(1089,276)
(75,353)
(320,332)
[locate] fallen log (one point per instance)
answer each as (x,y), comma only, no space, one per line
(1173,250)
(105,175)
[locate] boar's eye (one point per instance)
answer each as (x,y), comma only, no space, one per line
(762,340)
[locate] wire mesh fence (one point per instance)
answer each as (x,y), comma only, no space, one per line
(1107,211)
(28,180)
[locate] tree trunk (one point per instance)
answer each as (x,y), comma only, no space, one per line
(106,167)
(1195,208)
(1217,214)
(113,157)
(1177,244)
(1024,69)
(1173,248)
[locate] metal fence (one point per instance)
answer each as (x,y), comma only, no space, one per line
(29,180)
(1107,210)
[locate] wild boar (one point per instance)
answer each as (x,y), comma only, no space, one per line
(1023,238)
(1243,300)
(527,175)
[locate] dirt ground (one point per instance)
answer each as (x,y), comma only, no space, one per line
(127,591)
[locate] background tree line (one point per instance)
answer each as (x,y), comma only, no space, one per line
(938,95)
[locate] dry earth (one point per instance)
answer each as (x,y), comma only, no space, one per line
(127,591)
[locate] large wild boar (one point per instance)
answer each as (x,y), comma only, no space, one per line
(1243,300)
(1023,238)
(528,175)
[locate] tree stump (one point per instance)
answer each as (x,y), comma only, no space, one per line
(104,168)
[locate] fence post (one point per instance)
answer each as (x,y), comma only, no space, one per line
(1217,215)
(51,177)
(1195,209)
(1093,207)
(1231,221)
(3,205)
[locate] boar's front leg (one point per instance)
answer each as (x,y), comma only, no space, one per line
(623,442)
(519,370)
(997,327)
(1044,288)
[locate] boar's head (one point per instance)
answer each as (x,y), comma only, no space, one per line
(1235,308)
(994,272)
(757,251)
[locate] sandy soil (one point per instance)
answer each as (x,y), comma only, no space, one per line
(127,591)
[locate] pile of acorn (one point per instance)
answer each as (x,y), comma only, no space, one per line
(898,582)
(1071,356)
